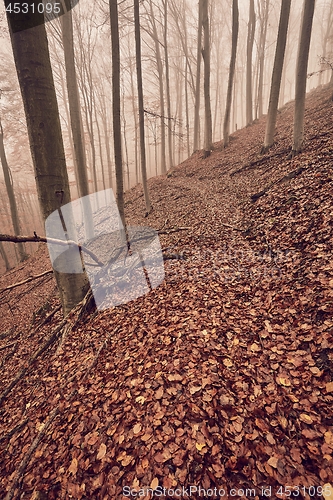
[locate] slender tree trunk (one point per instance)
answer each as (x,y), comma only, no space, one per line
(249,50)
(277,73)
(301,73)
(32,60)
(4,256)
(167,80)
(116,108)
(141,108)
(206,58)
(235,28)
(11,196)
(187,112)
(161,89)
(197,82)
(76,118)
(261,55)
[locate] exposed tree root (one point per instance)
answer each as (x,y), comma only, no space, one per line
(291,175)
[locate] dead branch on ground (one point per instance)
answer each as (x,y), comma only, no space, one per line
(291,175)
(10,287)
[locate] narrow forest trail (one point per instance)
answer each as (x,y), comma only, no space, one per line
(222,377)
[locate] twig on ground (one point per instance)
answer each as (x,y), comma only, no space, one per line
(29,453)
(15,429)
(6,346)
(174,230)
(10,287)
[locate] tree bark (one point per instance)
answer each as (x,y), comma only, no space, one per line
(301,74)
(116,108)
(277,74)
(235,28)
(249,50)
(161,88)
(206,58)
(197,81)
(11,195)
(141,108)
(32,60)
(76,118)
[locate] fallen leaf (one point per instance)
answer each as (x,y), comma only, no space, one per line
(329,387)
(154,483)
(73,467)
(140,399)
(305,418)
(284,381)
(328,491)
(227,362)
(273,462)
(159,393)
(199,446)
(137,428)
(101,452)
(195,389)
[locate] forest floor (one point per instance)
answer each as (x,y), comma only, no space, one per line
(222,376)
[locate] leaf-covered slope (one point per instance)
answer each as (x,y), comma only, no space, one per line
(222,376)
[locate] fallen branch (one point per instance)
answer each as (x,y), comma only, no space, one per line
(15,429)
(174,230)
(33,358)
(49,316)
(234,228)
(10,287)
(260,161)
(41,239)
(29,453)
(8,345)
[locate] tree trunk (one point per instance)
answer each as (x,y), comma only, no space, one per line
(249,50)
(161,88)
(11,196)
(206,58)
(76,118)
(167,81)
(141,108)
(4,256)
(116,108)
(301,73)
(277,73)
(235,28)
(197,82)
(32,60)
(263,35)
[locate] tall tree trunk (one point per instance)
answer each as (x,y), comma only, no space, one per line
(32,60)
(235,28)
(249,50)
(11,196)
(167,80)
(141,108)
(261,55)
(76,118)
(301,72)
(197,81)
(116,108)
(206,58)
(187,111)
(161,88)
(4,256)
(277,74)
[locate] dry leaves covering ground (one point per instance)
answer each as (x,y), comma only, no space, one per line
(222,377)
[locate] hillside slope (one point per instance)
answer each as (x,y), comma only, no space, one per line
(222,377)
